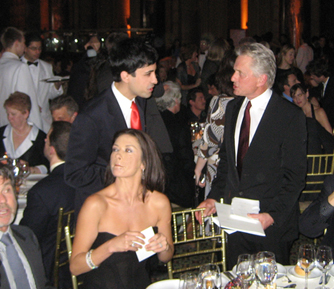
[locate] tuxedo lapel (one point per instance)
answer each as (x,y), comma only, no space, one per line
(115,112)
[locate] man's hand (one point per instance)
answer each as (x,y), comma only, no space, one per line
(210,208)
(265,219)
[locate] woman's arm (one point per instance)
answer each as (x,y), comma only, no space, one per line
(323,119)
(86,232)
(198,170)
(162,242)
(189,86)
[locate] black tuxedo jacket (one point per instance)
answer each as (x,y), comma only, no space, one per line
(320,215)
(327,102)
(41,215)
(29,245)
(91,140)
(274,167)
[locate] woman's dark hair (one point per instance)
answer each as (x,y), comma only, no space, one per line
(294,88)
(225,72)
(153,178)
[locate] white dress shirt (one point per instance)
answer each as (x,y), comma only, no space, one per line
(124,103)
(256,111)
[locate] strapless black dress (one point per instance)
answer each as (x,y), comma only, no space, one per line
(120,271)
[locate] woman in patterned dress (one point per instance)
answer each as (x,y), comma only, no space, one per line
(215,122)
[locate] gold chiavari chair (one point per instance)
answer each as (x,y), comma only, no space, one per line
(319,166)
(61,257)
(69,238)
(197,240)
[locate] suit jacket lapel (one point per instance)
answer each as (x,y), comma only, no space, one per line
(115,112)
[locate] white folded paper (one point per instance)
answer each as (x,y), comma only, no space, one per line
(234,216)
(142,254)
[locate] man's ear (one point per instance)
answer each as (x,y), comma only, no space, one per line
(262,80)
(125,76)
(52,150)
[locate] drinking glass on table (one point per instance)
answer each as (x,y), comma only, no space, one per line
(265,267)
(324,261)
(245,269)
(306,260)
(209,275)
(189,281)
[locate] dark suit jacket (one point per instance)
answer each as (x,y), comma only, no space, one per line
(41,215)
(274,166)
(92,136)
(29,245)
(34,155)
(320,215)
(327,102)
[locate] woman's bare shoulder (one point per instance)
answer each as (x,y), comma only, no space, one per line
(158,199)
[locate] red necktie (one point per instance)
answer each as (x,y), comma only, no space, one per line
(243,138)
(135,117)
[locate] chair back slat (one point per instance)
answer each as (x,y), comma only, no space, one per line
(198,239)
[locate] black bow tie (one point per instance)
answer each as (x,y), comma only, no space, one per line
(32,63)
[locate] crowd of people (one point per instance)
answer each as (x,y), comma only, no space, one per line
(116,141)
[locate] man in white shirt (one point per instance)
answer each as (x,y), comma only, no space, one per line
(21,261)
(41,70)
(262,157)
(133,66)
(15,75)
(304,55)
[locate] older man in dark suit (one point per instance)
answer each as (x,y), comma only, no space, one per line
(263,156)
(133,65)
(47,196)
(21,261)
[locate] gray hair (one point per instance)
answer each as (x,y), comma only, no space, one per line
(172,93)
(263,60)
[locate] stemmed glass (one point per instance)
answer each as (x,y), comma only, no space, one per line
(306,260)
(265,267)
(245,269)
(324,261)
(209,275)
(188,281)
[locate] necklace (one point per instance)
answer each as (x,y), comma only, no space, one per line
(22,134)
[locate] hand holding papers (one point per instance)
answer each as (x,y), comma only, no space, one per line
(235,217)
(142,254)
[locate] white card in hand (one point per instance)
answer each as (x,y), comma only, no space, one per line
(142,254)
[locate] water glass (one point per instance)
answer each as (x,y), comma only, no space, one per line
(245,269)
(265,267)
(306,260)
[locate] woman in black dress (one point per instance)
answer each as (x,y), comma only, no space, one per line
(110,223)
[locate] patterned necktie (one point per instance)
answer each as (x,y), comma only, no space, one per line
(15,263)
(135,117)
(243,138)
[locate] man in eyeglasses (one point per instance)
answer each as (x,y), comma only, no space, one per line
(41,70)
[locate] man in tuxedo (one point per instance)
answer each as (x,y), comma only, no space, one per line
(319,215)
(47,196)
(40,70)
(21,260)
(262,157)
(321,77)
(133,65)
(15,75)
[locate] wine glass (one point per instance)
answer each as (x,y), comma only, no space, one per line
(306,260)
(245,269)
(324,261)
(209,275)
(265,267)
(188,281)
